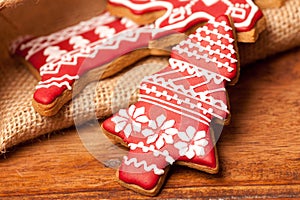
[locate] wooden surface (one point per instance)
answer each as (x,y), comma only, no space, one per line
(259,152)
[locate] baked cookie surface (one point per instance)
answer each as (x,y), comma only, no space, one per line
(171,121)
(180,15)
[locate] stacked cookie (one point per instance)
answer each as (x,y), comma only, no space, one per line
(171,122)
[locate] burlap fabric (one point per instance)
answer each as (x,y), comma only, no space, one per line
(19,122)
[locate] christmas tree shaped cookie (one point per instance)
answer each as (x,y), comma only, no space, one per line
(181,15)
(58,60)
(67,60)
(89,51)
(171,122)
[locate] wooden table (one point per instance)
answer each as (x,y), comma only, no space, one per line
(259,152)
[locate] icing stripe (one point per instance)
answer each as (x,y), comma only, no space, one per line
(184,66)
(92,50)
(186,101)
(66,76)
(64,83)
(204,57)
(181,15)
(208,48)
(148,168)
(190,68)
(172,110)
(151,148)
(189,93)
(39,43)
(182,109)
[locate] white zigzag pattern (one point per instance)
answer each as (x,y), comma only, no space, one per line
(56,79)
(182,110)
(193,69)
(201,96)
(218,24)
(64,83)
(151,148)
(44,41)
(208,49)
(148,168)
(180,101)
(215,32)
(94,48)
(206,58)
(173,110)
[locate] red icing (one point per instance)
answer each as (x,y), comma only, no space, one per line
(245,10)
(92,51)
(171,120)
(148,180)
(91,37)
(38,50)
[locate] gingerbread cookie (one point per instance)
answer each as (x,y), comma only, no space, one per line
(102,45)
(181,15)
(88,51)
(171,122)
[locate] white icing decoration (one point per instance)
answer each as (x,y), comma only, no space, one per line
(175,15)
(192,143)
(151,148)
(130,120)
(186,101)
(173,110)
(81,46)
(148,168)
(200,72)
(153,133)
(210,2)
(190,93)
(204,56)
(45,41)
(94,48)
(237,12)
(55,81)
(170,15)
(179,13)
(64,83)
(78,41)
(128,23)
(167,90)
(187,93)
(105,31)
(60,58)
(53,53)
(233,9)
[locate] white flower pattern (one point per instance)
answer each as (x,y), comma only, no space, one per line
(192,143)
(105,31)
(157,125)
(53,53)
(129,120)
(78,41)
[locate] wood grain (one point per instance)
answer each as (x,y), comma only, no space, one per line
(259,151)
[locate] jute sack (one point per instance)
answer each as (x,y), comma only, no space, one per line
(19,122)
